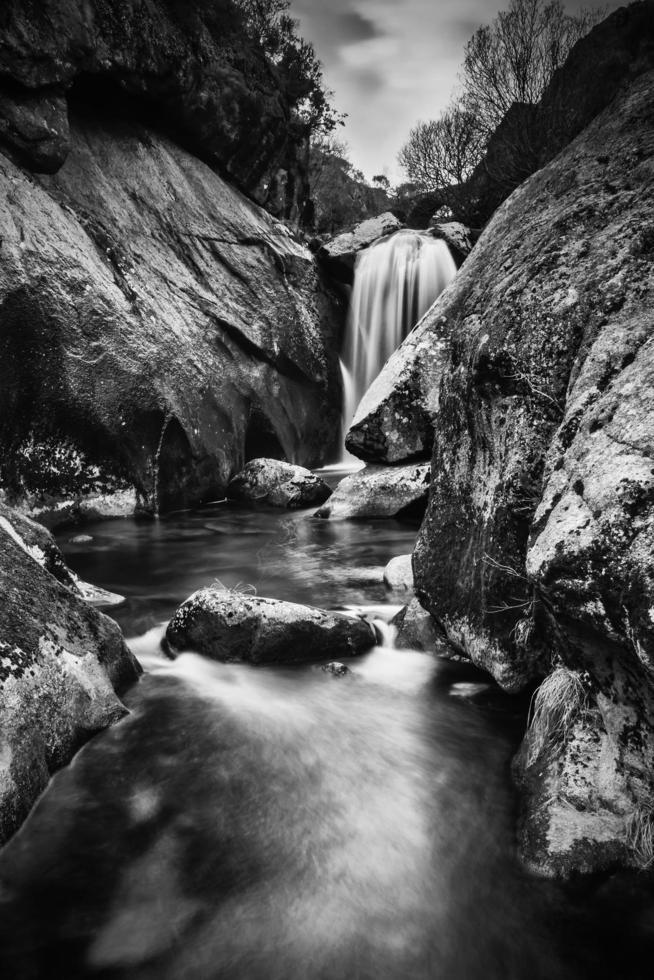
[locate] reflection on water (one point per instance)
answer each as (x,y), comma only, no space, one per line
(283,824)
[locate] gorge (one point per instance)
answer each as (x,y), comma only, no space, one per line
(243,737)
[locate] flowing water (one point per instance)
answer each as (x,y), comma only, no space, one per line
(285,824)
(395,282)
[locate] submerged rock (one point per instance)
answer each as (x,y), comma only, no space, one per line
(398,574)
(278,484)
(379,491)
(233,626)
(338,256)
(336,669)
(62,666)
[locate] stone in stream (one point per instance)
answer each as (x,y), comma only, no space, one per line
(336,669)
(379,491)
(62,666)
(278,484)
(233,626)
(398,574)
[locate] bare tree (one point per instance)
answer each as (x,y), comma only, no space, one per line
(513,59)
(443,151)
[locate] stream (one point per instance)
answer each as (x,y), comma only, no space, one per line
(285,824)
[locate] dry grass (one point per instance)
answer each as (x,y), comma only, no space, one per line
(241,587)
(557,704)
(640,835)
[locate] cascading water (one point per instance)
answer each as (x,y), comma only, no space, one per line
(395,282)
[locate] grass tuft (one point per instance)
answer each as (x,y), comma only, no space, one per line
(241,587)
(557,704)
(640,835)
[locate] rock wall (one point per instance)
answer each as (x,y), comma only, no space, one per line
(534,372)
(158,329)
(62,666)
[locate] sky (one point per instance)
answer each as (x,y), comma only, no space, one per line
(392,63)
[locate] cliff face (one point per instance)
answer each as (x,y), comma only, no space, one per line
(157,328)
(534,371)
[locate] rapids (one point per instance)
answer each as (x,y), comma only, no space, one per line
(284,824)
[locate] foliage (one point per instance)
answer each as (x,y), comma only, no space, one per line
(340,193)
(443,151)
(514,58)
(270,24)
(507,66)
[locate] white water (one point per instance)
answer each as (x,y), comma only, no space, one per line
(395,282)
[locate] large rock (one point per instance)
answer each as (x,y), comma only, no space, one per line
(233,626)
(277,484)
(398,574)
(458,237)
(538,539)
(62,666)
(194,68)
(379,491)
(157,328)
(338,256)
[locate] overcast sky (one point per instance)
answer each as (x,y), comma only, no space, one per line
(391,63)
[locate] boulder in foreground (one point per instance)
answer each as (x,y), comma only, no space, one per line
(62,665)
(379,491)
(278,484)
(233,626)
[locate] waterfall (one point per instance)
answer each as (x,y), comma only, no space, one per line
(395,282)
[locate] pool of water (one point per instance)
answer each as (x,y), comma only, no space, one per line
(283,823)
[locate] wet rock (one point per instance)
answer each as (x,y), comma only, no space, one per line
(395,418)
(458,237)
(81,539)
(208,337)
(62,666)
(278,484)
(417,630)
(398,574)
(233,626)
(338,256)
(379,491)
(336,669)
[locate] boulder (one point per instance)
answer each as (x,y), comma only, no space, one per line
(379,491)
(278,484)
(394,420)
(417,630)
(458,237)
(232,626)
(158,330)
(398,574)
(537,542)
(62,667)
(338,256)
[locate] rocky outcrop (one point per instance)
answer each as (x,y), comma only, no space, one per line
(458,237)
(62,666)
(277,484)
(338,256)
(193,69)
(158,329)
(535,553)
(379,491)
(234,626)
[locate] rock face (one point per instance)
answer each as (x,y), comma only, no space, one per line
(232,626)
(192,66)
(158,329)
(62,665)
(535,371)
(338,256)
(277,484)
(379,491)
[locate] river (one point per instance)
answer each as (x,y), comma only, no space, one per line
(284,824)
